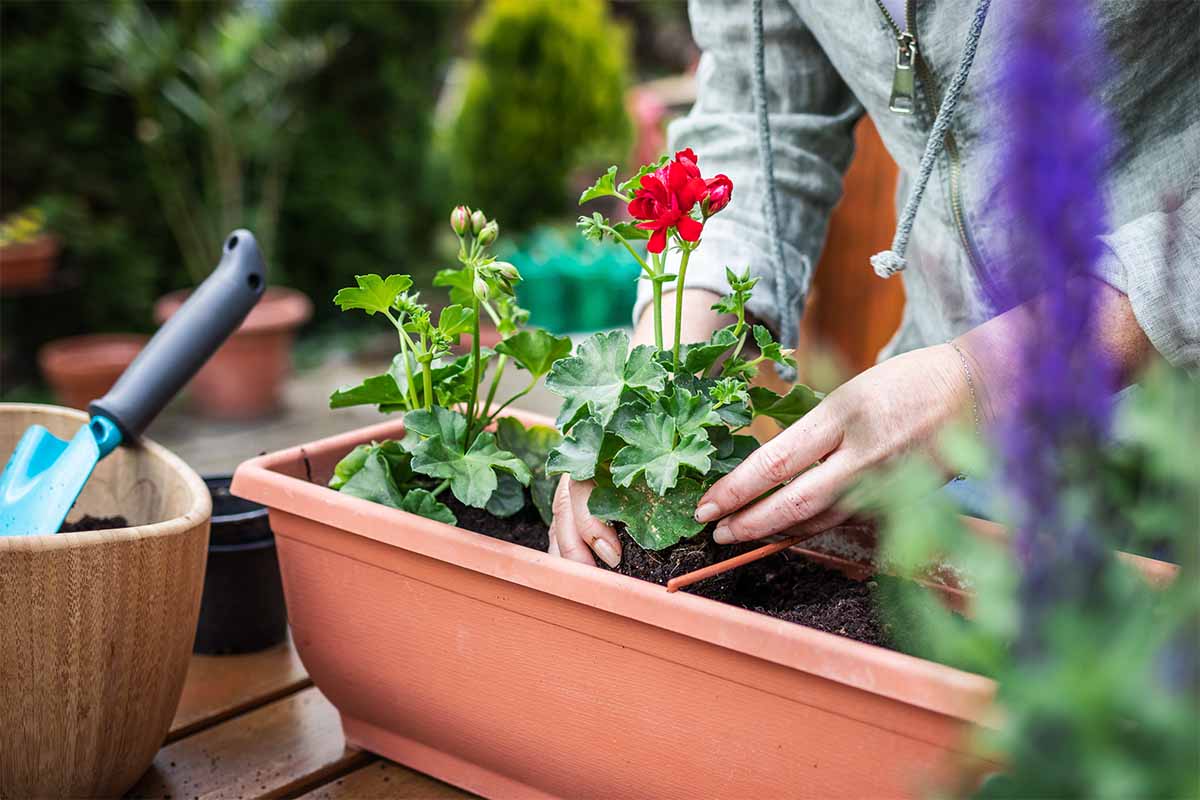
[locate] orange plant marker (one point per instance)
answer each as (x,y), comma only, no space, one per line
(675,584)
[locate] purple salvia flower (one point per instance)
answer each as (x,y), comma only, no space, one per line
(1054,158)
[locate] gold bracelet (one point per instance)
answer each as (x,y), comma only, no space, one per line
(970,386)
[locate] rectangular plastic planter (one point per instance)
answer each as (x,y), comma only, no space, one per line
(513,673)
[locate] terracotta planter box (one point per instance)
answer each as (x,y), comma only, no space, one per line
(516,674)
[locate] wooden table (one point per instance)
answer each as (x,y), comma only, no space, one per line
(255,726)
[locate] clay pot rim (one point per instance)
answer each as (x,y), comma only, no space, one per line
(198,512)
(61,357)
(907,679)
(281,308)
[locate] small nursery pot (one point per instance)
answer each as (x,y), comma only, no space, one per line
(244,378)
(242,610)
(29,265)
(513,673)
(82,368)
(96,628)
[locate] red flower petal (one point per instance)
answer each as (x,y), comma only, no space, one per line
(689,228)
(658,241)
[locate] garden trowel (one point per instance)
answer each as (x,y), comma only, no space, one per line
(45,474)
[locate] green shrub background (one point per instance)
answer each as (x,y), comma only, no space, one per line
(544,95)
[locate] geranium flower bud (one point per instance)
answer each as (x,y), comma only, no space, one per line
(506,271)
(478,220)
(717,193)
(480,288)
(460,220)
(489,233)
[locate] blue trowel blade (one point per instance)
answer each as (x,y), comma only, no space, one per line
(45,475)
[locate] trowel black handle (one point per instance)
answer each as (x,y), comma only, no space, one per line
(193,333)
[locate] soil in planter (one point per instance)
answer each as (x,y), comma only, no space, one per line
(689,555)
(90,523)
(524,528)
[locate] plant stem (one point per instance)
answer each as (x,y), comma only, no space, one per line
(500,362)
(441,487)
(427,371)
(508,402)
(683,265)
(645,267)
(475,373)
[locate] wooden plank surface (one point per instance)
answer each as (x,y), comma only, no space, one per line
(284,748)
(219,687)
(383,779)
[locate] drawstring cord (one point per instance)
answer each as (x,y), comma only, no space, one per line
(789,319)
(889,262)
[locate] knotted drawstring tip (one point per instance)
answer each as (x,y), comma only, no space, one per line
(888,263)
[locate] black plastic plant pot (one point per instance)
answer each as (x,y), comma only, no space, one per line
(242,609)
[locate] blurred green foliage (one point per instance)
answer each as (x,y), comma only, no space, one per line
(544,95)
(1105,705)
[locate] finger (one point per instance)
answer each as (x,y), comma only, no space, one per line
(801,445)
(801,501)
(595,533)
(569,545)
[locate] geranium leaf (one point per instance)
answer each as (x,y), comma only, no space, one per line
(377,390)
(691,412)
(731,450)
(535,350)
(509,497)
(459,282)
(786,409)
(654,522)
(700,356)
(599,372)
(472,474)
(605,186)
(578,452)
(635,182)
(630,231)
(651,448)
(350,464)
(422,503)
(374,481)
(770,349)
(455,320)
(532,445)
(373,293)
(449,426)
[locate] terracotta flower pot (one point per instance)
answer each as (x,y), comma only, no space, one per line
(513,673)
(244,379)
(96,628)
(29,265)
(82,368)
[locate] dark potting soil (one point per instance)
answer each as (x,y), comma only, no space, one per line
(90,523)
(524,528)
(784,586)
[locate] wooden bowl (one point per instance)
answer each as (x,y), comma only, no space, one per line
(96,628)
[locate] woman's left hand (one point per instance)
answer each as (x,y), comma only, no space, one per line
(895,407)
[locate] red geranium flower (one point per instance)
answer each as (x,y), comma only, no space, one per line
(666,200)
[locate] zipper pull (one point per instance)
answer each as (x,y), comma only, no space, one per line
(904,94)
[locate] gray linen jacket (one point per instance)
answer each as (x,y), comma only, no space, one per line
(829,61)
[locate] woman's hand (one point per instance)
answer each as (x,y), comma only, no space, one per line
(895,407)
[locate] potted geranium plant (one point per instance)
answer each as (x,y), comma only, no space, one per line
(455,438)
(654,427)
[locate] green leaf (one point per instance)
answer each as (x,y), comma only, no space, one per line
(472,474)
(578,452)
(652,449)
(535,350)
(374,481)
(770,349)
(350,464)
(787,409)
(605,186)
(422,503)
(700,356)
(394,458)
(460,282)
(533,446)
(635,182)
(509,497)
(653,522)
(731,450)
(630,231)
(373,294)
(455,320)
(691,412)
(376,390)
(728,391)
(599,372)
(593,228)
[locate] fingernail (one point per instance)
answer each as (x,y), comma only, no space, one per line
(722,535)
(606,552)
(707,512)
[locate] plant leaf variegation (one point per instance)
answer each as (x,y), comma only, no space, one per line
(655,427)
(449,402)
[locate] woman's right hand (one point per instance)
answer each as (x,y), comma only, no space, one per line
(577,535)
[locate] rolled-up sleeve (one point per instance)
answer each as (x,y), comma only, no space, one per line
(812,116)
(1155,260)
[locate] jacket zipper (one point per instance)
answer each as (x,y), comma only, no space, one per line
(903,101)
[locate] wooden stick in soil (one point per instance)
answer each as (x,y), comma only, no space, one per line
(697,575)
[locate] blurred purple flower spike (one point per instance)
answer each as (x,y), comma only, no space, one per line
(1055,158)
